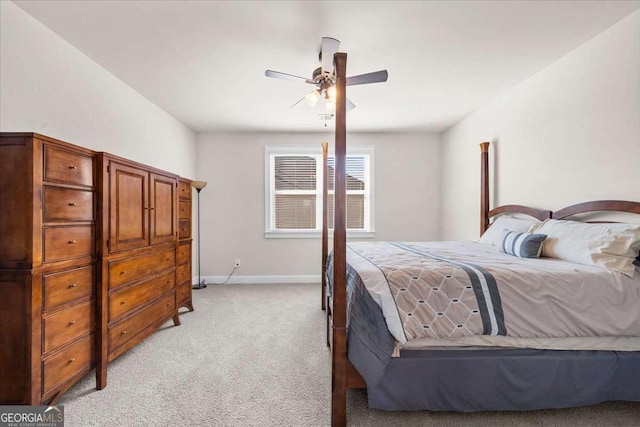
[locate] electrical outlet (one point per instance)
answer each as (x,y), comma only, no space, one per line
(237,263)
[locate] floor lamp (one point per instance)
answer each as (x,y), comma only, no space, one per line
(199,185)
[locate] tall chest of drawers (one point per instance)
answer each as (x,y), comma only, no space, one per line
(47,267)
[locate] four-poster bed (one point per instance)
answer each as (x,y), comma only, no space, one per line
(480,377)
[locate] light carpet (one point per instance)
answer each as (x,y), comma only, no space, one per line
(255,355)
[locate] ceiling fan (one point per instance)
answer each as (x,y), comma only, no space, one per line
(324,79)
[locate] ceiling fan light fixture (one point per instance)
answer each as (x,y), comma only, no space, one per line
(331,93)
(312,98)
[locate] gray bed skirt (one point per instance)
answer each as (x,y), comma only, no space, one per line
(498,379)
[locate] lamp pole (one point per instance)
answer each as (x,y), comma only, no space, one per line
(199,185)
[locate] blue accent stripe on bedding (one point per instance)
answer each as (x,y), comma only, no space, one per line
(484,286)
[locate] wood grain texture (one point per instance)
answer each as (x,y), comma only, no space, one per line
(16,194)
(67,363)
(339,311)
(67,325)
(128,207)
(185,266)
(67,167)
(131,269)
(519,209)
(127,299)
(68,286)
(484,187)
(67,205)
(598,206)
(163,208)
(48,245)
(325,228)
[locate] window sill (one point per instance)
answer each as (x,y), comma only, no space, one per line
(304,234)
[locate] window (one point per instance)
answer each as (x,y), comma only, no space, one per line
(293,191)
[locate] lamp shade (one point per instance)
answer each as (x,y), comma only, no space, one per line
(199,185)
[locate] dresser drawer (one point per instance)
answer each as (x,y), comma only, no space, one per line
(183,292)
(184,210)
(67,167)
(129,270)
(184,253)
(61,288)
(183,273)
(58,368)
(65,204)
(122,302)
(184,190)
(126,330)
(67,242)
(67,325)
(184,228)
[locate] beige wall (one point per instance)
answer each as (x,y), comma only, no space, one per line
(407,192)
(50,87)
(569,134)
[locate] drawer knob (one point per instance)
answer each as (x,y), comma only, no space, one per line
(73,285)
(168,304)
(123,333)
(71,242)
(123,272)
(168,281)
(73,359)
(73,322)
(73,204)
(123,302)
(72,167)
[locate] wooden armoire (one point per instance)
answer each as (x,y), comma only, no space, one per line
(90,253)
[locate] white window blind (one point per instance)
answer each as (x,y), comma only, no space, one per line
(293,196)
(295,179)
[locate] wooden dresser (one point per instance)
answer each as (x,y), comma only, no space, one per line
(47,267)
(90,260)
(138,220)
(183,256)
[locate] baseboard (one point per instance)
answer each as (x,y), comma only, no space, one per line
(260,279)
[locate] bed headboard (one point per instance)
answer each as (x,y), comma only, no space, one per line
(581,208)
(485,213)
(597,206)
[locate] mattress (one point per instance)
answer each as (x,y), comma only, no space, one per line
(467,293)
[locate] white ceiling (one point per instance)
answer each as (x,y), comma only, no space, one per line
(204,61)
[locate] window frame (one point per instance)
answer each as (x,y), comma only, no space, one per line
(269,215)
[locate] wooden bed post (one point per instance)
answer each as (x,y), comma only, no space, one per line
(339,311)
(484,187)
(325,231)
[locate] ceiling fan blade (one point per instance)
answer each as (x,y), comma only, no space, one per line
(302,99)
(350,105)
(329,48)
(362,79)
(285,76)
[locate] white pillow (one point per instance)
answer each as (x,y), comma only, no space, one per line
(613,246)
(493,235)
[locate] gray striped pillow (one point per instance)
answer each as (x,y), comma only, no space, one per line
(523,245)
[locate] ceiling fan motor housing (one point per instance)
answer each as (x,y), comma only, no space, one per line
(318,76)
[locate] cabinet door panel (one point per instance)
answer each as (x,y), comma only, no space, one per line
(128,216)
(163,209)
